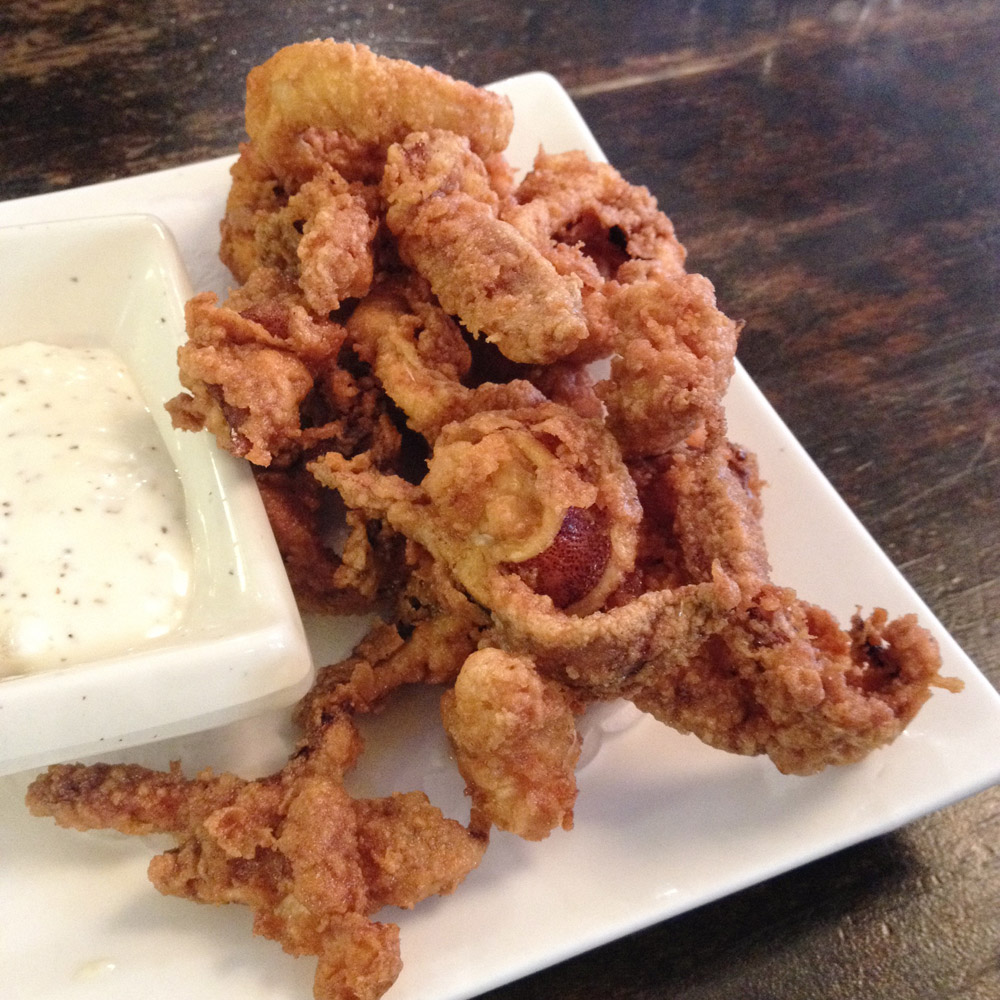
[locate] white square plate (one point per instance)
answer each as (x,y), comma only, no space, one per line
(663,823)
(118,282)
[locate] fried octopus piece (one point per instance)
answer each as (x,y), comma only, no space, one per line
(313,864)
(444,213)
(248,366)
(322,238)
(499,490)
(420,356)
(780,677)
(672,349)
(516,744)
(673,361)
(317,218)
(785,680)
(427,644)
(375,100)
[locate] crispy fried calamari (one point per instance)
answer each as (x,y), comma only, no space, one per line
(523,506)
(337,560)
(426,645)
(322,237)
(444,214)
(609,529)
(785,680)
(406,365)
(249,366)
(312,863)
(421,358)
(516,744)
(673,362)
(375,100)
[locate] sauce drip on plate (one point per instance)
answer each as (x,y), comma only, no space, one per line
(94,547)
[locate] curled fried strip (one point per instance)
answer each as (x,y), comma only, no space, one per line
(578,202)
(498,488)
(784,680)
(348,88)
(419,355)
(432,653)
(443,211)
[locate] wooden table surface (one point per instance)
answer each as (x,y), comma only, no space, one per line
(834,167)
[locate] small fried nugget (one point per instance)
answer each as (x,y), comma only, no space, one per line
(516,744)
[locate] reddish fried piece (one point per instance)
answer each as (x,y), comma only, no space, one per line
(498,491)
(312,863)
(516,744)
(444,213)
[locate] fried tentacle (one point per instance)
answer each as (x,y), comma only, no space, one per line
(312,863)
(786,681)
(419,355)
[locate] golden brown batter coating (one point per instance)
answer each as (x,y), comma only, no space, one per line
(515,741)
(348,88)
(444,214)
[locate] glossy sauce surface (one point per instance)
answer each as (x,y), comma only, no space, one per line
(94,548)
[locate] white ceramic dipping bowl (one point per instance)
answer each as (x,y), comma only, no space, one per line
(240,648)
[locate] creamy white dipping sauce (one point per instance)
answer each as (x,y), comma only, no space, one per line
(94,548)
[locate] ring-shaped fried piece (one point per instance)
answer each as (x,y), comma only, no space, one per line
(348,88)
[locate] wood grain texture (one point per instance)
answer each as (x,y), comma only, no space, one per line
(835,168)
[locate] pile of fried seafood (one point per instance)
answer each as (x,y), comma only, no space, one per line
(408,362)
